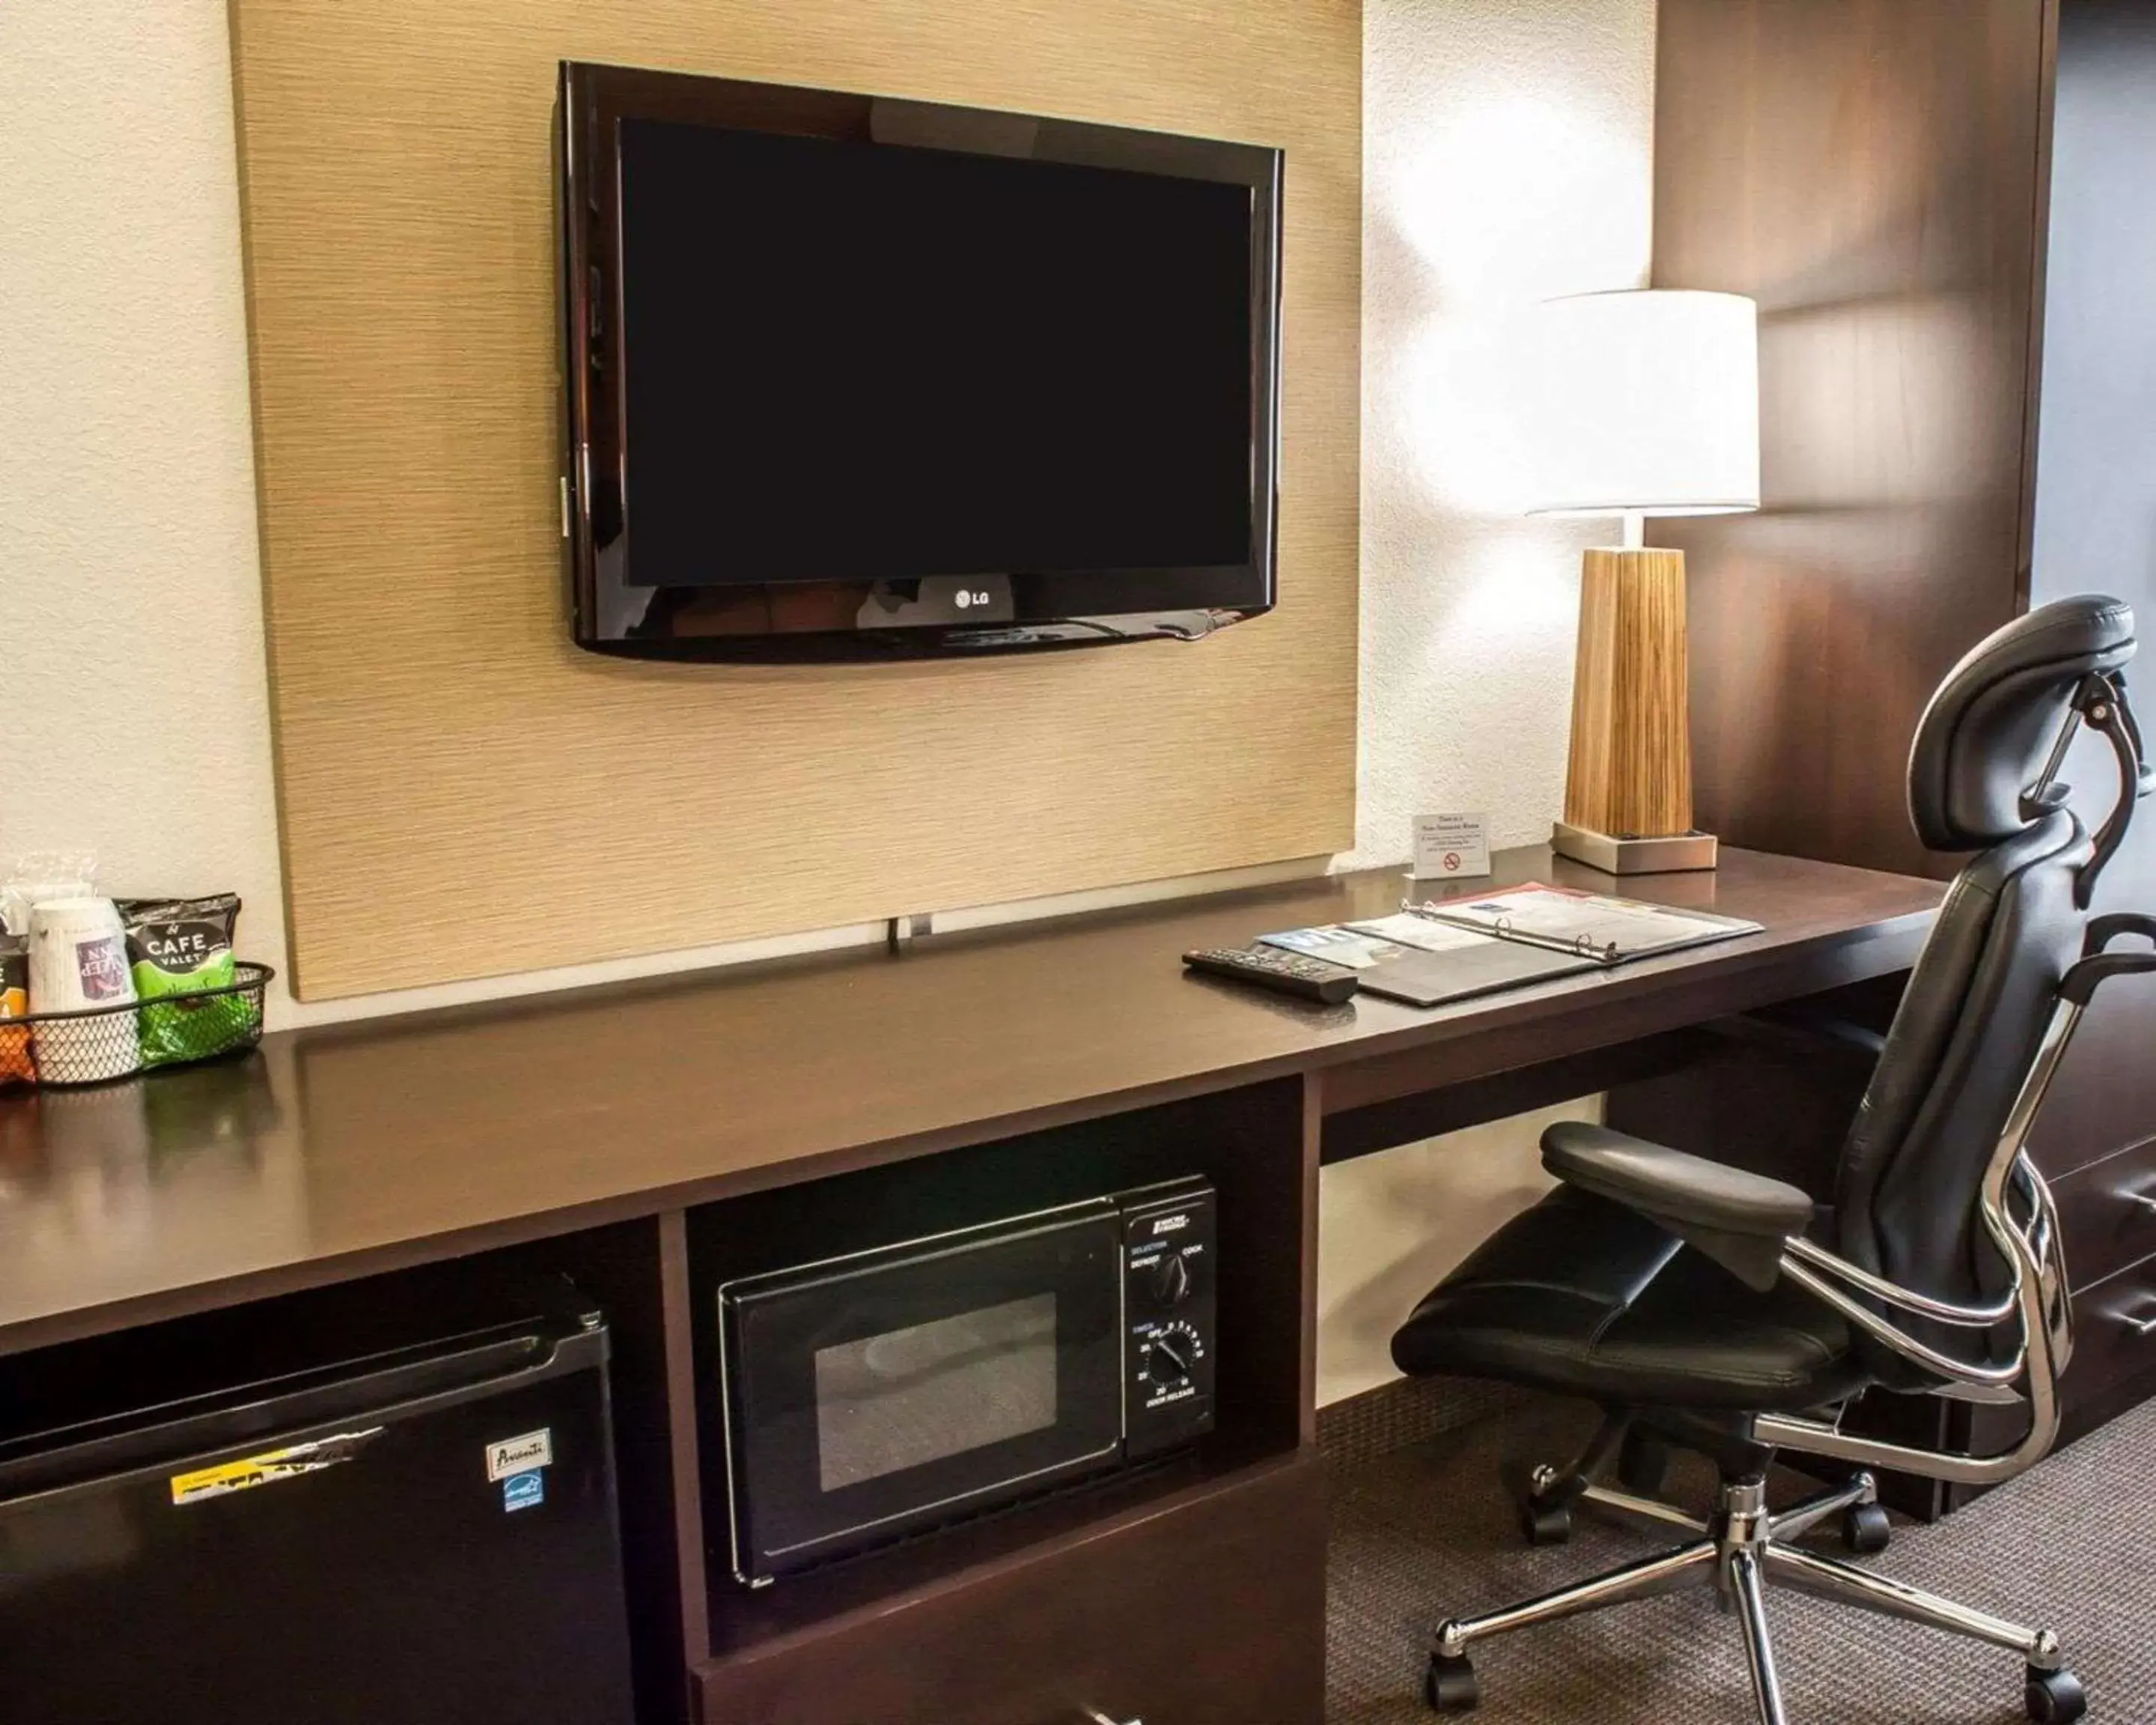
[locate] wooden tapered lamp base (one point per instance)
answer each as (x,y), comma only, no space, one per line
(1628,788)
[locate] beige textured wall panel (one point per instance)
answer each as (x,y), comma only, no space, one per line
(462,793)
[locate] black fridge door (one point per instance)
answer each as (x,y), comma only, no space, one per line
(429,1537)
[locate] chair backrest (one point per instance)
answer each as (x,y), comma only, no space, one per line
(1975,1015)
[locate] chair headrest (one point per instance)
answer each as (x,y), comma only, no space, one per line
(1987,732)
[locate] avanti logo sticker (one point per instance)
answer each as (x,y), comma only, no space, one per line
(520,1455)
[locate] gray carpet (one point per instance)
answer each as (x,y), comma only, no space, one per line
(1427,1532)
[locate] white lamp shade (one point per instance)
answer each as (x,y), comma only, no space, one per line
(1647,403)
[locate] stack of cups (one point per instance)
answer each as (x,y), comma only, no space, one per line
(78,962)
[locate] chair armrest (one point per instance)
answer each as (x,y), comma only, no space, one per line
(2099,964)
(1673,1184)
(1738,1219)
(2103,930)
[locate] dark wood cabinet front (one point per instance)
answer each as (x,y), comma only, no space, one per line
(1205,1609)
(2108,1214)
(2115,1334)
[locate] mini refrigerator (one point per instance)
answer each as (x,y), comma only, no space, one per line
(411,1536)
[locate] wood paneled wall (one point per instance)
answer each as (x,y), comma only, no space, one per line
(462,793)
(1946,209)
(1868,170)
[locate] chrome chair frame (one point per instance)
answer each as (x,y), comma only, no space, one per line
(1746,1545)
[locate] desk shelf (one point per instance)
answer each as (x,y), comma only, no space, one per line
(622,1135)
(1257,1147)
(1204,1607)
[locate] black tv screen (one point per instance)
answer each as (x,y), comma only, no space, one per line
(846,361)
(848,368)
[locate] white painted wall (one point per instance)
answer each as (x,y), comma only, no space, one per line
(1507,158)
(1389,1226)
(132,690)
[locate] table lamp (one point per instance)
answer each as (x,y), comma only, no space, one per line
(1650,405)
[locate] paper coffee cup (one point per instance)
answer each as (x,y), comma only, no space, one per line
(78,962)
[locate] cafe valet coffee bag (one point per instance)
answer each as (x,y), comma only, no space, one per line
(178,947)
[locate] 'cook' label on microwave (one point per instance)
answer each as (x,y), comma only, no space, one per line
(520,1455)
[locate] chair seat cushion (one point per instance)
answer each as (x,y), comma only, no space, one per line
(1585,1297)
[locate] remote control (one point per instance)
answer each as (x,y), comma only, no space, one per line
(1269,968)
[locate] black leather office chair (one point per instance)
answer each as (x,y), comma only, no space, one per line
(1719,1310)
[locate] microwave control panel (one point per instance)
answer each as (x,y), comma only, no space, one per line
(1169,1252)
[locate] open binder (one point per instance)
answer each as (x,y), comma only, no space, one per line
(1590,925)
(1454,949)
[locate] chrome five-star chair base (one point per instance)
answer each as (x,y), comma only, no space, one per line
(1744,1551)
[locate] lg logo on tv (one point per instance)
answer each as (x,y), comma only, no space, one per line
(967,599)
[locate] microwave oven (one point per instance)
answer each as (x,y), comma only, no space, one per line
(879,1394)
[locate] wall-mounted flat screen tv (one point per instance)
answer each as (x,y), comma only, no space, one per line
(848,375)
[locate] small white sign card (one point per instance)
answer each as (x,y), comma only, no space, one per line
(1451,847)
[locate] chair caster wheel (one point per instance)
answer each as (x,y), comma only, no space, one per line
(1449,1685)
(1865,1529)
(1643,1464)
(2053,1697)
(1545,1524)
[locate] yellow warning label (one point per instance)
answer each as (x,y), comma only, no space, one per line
(269,1467)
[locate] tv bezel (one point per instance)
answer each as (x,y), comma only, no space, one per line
(796,620)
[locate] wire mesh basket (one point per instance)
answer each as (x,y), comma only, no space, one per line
(100,1043)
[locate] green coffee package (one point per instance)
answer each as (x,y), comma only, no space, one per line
(178,947)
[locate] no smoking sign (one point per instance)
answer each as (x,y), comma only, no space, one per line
(1455,846)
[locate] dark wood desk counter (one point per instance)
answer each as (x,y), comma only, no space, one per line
(339,1150)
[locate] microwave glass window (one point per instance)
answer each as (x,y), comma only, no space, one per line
(916,1395)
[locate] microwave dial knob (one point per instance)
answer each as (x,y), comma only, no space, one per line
(1170,1357)
(1171,1279)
